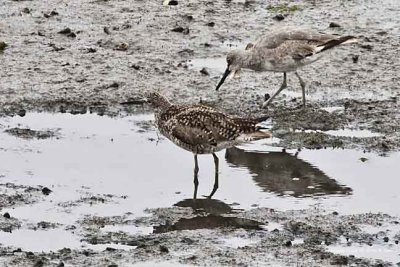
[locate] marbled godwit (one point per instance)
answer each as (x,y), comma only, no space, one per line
(202,130)
(283,51)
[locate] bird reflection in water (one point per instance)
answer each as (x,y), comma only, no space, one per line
(207,205)
(209,214)
(285,174)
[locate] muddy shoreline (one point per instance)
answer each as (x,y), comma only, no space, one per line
(98,57)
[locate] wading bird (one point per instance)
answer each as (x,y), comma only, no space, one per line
(283,51)
(202,130)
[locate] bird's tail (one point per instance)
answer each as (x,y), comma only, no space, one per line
(335,42)
(248,124)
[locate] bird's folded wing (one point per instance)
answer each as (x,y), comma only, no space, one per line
(204,126)
(301,51)
(191,135)
(275,39)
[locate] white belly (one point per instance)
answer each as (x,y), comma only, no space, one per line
(288,64)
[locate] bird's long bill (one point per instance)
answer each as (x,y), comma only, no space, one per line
(226,73)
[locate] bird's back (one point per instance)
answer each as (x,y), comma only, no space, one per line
(275,38)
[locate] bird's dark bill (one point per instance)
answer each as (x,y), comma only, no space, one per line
(226,73)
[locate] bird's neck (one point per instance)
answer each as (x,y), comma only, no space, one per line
(250,59)
(162,104)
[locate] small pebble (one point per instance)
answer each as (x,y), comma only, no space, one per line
(135,66)
(386,239)
(278,17)
(114,85)
(170,3)
(3,45)
(355,58)
(65,31)
(181,29)
(7,215)
(164,249)
(211,24)
(26,10)
(204,71)
(21,112)
(46,191)
(288,243)
(122,47)
(367,46)
(334,25)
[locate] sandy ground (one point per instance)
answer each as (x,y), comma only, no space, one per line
(116,50)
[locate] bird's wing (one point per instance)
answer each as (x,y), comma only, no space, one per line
(198,125)
(191,135)
(276,38)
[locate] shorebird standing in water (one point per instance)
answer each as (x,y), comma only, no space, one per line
(202,130)
(283,51)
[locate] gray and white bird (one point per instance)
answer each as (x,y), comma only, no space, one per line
(285,50)
(202,129)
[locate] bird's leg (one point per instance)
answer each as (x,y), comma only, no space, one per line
(283,86)
(196,172)
(303,88)
(216,163)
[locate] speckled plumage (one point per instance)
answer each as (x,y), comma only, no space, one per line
(202,129)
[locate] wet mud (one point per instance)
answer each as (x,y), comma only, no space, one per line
(322,192)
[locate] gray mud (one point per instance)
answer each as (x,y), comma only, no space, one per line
(69,58)
(75,191)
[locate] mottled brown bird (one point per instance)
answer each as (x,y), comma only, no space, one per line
(203,130)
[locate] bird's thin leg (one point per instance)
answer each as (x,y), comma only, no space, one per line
(283,86)
(303,88)
(195,180)
(216,163)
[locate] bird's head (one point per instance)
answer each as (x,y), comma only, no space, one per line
(234,64)
(157,100)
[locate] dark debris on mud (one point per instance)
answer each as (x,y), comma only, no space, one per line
(27,133)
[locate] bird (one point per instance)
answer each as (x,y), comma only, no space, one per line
(284,50)
(202,129)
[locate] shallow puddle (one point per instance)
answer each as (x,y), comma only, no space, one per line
(353,133)
(50,240)
(123,162)
(388,252)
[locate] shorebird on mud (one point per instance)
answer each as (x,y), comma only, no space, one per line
(284,51)
(203,130)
